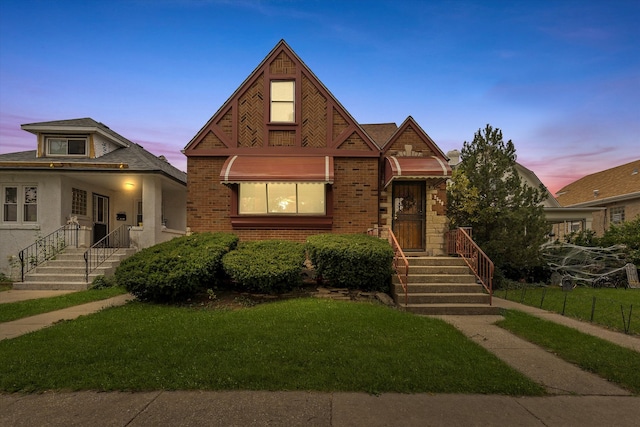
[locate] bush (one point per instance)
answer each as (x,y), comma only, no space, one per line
(269,266)
(103,282)
(354,261)
(178,269)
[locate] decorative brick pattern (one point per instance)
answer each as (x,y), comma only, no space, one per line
(210,141)
(282,138)
(411,137)
(226,123)
(439,197)
(314,116)
(354,142)
(282,64)
(251,116)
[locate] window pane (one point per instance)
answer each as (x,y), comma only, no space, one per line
(311,198)
(30,213)
(11,195)
(282,198)
(10,213)
(253,199)
(282,91)
(282,112)
(30,195)
(78,201)
(57,146)
(76,146)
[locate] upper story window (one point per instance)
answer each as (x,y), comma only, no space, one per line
(282,198)
(283,101)
(57,146)
(617,215)
(20,203)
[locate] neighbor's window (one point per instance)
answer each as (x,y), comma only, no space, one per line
(20,204)
(616,215)
(282,198)
(282,101)
(78,202)
(67,146)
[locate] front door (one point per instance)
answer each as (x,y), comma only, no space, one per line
(409,215)
(100,217)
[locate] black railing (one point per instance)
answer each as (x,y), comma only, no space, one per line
(47,247)
(104,248)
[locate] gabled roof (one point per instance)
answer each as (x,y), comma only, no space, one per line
(380,132)
(281,47)
(618,183)
(132,157)
(426,139)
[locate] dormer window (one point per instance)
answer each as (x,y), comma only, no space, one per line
(57,146)
(283,101)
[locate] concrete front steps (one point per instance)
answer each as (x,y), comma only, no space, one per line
(67,271)
(442,285)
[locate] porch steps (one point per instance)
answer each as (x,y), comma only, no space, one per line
(66,271)
(441,285)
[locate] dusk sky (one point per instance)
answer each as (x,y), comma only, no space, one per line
(561,79)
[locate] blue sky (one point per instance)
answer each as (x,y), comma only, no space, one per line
(560,78)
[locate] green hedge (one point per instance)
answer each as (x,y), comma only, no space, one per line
(269,266)
(354,261)
(178,269)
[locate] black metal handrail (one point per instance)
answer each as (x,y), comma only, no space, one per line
(47,247)
(102,250)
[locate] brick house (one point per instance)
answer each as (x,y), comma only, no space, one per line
(282,158)
(615,191)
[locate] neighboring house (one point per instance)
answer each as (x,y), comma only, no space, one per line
(282,158)
(554,213)
(615,191)
(82,170)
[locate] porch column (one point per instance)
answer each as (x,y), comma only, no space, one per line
(151,210)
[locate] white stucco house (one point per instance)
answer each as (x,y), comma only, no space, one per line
(82,171)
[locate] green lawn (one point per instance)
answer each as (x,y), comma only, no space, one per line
(17,310)
(612,307)
(298,344)
(615,363)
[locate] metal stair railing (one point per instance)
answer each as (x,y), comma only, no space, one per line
(47,247)
(104,248)
(461,243)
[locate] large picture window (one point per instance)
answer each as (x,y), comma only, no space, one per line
(66,146)
(283,101)
(282,199)
(20,204)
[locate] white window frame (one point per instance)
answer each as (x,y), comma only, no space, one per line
(279,103)
(63,139)
(271,210)
(616,215)
(21,204)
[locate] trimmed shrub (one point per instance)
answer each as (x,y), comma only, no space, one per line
(268,266)
(103,282)
(353,261)
(177,269)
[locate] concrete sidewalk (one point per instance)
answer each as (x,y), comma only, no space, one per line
(577,397)
(263,408)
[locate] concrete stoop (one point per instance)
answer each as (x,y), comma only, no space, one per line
(67,271)
(442,286)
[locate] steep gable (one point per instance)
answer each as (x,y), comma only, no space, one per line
(411,134)
(243,124)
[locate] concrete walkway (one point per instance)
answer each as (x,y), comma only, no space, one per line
(577,398)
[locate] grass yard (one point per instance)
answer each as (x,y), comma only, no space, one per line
(608,310)
(297,344)
(610,361)
(17,310)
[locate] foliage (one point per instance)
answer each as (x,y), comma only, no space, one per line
(268,266)
(617,364)
(354,261)
(4,278)
(177,269)
(103,282)
(505,213)
(628,234)
(299,344)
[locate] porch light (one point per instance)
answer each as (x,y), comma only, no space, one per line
(129,185)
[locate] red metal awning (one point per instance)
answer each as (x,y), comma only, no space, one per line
(239,169)
(415,168)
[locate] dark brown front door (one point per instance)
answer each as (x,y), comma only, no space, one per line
(409,214)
